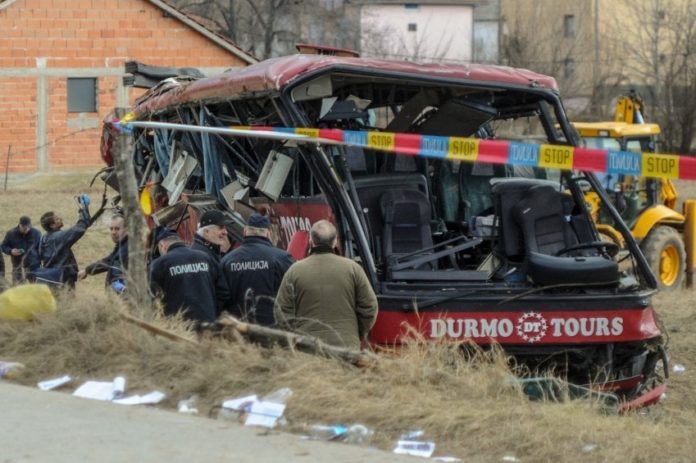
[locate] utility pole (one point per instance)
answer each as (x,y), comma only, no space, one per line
(595,68)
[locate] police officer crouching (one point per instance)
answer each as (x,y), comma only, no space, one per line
(253,272)
(186,280)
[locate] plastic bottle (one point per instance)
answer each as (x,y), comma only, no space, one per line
(10,370)
(325,432)
(358,434)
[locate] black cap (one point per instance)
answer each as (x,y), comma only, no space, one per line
(24,220)
(213,217)
(257,220)
(161,233)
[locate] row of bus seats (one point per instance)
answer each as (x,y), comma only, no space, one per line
(537,224)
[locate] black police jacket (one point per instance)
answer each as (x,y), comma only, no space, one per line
(14,239)
(252,274)
(114,264)
(186,279)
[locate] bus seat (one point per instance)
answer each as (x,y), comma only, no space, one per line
(406,216)
(544,216)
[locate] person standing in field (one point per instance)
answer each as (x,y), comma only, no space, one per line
(55,247)
(326,295)
(19,243)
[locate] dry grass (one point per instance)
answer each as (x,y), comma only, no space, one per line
(466,406)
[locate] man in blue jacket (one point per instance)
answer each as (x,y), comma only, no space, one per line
(252,273)
(19,242)
(55,247)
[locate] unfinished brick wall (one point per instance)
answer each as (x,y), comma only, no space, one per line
(70,38)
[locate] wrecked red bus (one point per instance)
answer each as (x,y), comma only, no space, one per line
(461,251)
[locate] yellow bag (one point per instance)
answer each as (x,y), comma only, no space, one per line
(22,302)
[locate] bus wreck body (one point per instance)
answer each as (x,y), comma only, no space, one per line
(458,250)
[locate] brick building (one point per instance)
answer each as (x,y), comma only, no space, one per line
(61,69)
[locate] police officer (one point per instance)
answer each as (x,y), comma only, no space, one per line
(55,247)
(115,263)
(19,243)
(253,272)
(211,236)
(186,280)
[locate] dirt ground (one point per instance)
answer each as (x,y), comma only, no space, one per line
(465,407)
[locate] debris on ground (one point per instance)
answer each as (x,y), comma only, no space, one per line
(54,383)
(461,402)
(10,370)
(25,301)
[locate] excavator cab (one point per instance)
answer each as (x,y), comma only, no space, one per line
(646,205)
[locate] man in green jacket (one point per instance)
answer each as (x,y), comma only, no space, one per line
(326,295)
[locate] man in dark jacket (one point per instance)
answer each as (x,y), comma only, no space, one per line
(253,272)
(19,243)
(211,236)
(186,279)
(55,247)
(326,295)
(115,263)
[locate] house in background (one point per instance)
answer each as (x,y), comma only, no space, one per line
(425,30)
(487,32)
(62,64)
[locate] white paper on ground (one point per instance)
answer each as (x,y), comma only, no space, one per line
(415,448)
(119,387)
(152,398)
(264,414)
(53,383)
(97,390)
(240,402)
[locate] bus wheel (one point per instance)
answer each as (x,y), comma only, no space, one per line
(664,250)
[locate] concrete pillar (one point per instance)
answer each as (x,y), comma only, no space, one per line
(41,115)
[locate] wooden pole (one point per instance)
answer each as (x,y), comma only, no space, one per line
(137,278)
(301,342)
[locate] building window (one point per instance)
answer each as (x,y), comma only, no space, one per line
(569,25)
(82,95)
(412,27)
(568,67)
(411,6)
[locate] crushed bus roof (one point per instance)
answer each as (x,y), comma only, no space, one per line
(275,74)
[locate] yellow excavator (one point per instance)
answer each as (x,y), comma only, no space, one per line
(646,205)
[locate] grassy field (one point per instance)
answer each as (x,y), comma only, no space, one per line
(466,406)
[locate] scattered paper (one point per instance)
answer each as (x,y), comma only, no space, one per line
(415,448)
(119,387)
(264,414)
(152,398)
(447,459)
(97,390)
(240,403)
(54,383)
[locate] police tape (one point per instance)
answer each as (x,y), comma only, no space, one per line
(513,153)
